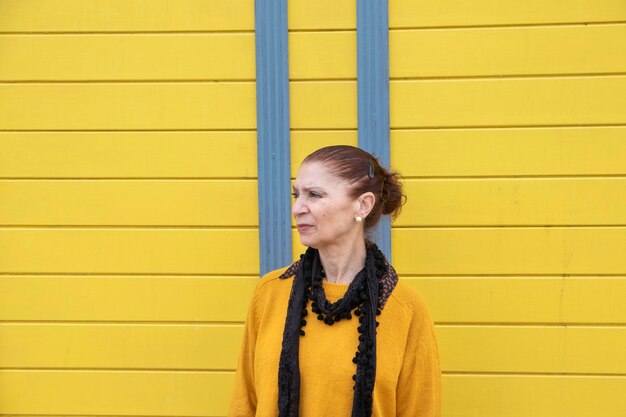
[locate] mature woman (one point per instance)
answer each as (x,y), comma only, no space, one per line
(315,359)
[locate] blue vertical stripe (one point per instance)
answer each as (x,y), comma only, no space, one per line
(372,28)
(272,101)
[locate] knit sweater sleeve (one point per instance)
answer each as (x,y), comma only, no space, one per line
(244,398)
(419,383)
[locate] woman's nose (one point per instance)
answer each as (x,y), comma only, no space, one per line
(298,207)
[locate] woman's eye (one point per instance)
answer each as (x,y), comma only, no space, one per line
(311,194)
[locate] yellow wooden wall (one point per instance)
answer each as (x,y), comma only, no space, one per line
(128,213)
(128,204)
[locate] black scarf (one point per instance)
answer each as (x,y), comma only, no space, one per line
(362,296)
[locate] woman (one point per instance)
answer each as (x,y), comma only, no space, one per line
(314,359)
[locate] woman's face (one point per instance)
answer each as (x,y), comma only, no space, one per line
(322,208)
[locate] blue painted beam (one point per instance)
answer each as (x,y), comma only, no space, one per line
(272,101)
(372,29)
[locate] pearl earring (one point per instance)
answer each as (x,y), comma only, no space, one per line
(359,219)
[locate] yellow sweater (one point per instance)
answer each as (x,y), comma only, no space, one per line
(408,376)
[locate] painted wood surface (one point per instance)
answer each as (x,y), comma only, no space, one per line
(128,208)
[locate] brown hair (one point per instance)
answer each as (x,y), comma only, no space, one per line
(364,173)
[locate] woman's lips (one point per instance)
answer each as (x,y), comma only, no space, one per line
(304,227)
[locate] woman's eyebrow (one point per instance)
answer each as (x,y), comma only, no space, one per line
(308,188)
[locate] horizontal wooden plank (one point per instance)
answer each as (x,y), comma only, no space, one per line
(415,153)
(327,14)
(219,106)
(537,396)
(128,154)
(104,106)
(224,56)
(506,102)
(519,250)
(128,15)
(128,250)
(194,15)
(555,50)
(150,298)
(507,51)
(512,151)
(500,202)
(468,103)
(128,346)
(185,394)
(525,349)
(532,349)
(321,55)
(487,152)
(153,393)
(589,299)
(129,202)
(323,104)
(514,202)
(221,56)
(505,251)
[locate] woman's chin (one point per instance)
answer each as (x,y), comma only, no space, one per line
(307,241)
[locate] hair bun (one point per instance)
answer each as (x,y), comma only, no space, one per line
(391,195)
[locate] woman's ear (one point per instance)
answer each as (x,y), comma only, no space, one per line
(366,203)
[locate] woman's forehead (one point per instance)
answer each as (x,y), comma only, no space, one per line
(312,174)
(315,175)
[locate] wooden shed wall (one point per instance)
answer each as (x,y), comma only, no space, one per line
(128,195)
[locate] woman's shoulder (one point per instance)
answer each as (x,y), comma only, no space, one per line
(269,289)
(272,275)
(410,300)
(273,279)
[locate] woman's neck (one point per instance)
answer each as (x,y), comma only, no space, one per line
(341,263)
